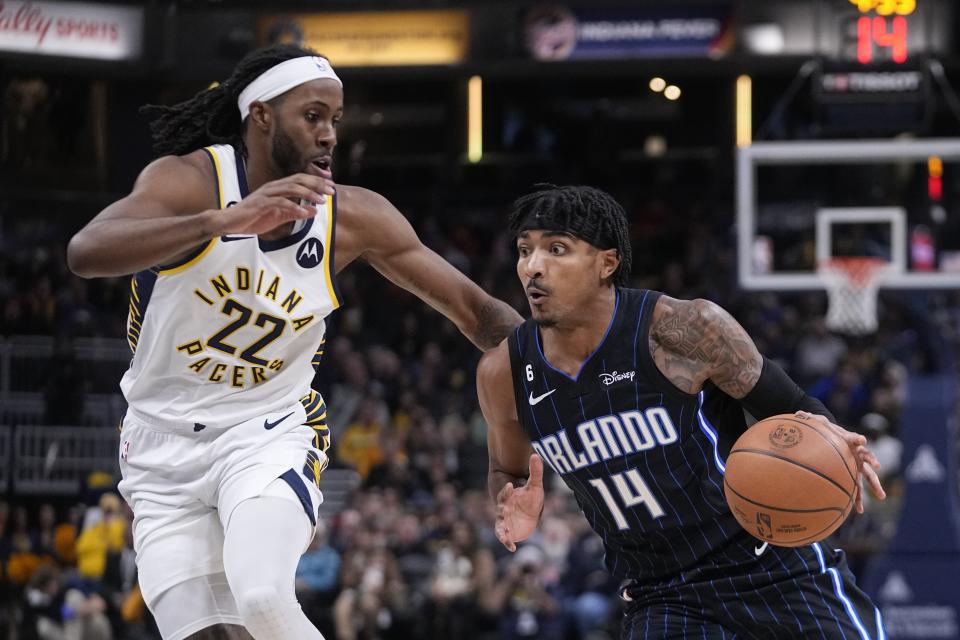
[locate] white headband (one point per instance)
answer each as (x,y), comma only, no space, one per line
(283,77)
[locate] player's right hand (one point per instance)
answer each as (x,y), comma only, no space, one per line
(869,465)
(518,509)
(275,203)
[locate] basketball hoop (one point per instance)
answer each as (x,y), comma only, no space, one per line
(852,283)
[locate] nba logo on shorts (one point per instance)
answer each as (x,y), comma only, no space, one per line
(125,450)
(310,253)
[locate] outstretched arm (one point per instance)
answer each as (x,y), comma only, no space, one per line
(515,477)
(375,230)
(173,210)
(153,225)
(693,341)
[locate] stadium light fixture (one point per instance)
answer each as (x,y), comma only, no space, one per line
(744,111)
(475,119)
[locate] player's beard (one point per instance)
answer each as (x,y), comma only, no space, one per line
(543,320)
(284,153)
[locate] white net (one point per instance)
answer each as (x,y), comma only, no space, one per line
(852,284)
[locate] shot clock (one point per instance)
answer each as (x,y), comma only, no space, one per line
(889,32)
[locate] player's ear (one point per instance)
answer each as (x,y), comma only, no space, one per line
(609,261)
(260,115)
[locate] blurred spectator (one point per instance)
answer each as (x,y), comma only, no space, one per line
(103,534)
(396,472)
(46,536)
(371,604)
(318,580)
(887,448)
(413,558)
(54,613)
(20,538)
(526,608)
(462,585)
(65,543)
(818,353)
(843,392)
(588,584)
(359,445)
(348,385)
(42,615)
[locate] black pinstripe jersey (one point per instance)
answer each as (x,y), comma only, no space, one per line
(644,459)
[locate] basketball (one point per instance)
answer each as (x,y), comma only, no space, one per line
(790,481)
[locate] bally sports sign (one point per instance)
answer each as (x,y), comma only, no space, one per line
(71,29)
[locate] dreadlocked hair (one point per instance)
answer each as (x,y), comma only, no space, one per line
(587,213)
(212,116)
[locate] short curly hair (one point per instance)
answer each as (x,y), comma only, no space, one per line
(585,212)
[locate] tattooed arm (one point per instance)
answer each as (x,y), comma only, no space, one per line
(368,226)
(693,341)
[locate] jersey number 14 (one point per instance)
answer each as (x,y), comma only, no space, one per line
(632,490)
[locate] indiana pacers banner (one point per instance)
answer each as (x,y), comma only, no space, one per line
(556,32)
(376,39)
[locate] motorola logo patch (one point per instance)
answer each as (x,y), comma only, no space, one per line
(310,253)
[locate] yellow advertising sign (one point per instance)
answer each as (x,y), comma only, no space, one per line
(376,38)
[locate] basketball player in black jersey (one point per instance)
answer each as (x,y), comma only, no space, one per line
(634,399)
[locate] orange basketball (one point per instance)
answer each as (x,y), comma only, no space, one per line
(790,481)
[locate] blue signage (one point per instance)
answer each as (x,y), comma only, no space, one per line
(561,33)
(915,581)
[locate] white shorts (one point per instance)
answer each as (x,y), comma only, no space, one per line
(183,482)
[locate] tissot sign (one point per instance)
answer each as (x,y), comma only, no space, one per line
(71,29)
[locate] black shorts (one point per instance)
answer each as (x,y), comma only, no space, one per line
(757,605)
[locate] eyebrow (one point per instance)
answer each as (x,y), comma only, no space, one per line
(324,105)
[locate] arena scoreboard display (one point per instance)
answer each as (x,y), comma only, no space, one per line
(885,32)
(862,33)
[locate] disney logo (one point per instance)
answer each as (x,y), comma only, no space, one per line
(609,378)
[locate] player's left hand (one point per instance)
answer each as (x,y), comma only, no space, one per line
(868,463)
(519,508)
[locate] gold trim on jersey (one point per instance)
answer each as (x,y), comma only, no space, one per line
(189,263)
(219,171)
(328,266)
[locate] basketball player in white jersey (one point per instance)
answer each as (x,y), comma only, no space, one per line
(235,238)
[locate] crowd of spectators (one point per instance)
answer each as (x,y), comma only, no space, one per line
(412,554)
(70,575)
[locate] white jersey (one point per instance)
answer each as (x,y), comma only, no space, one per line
(235,329)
